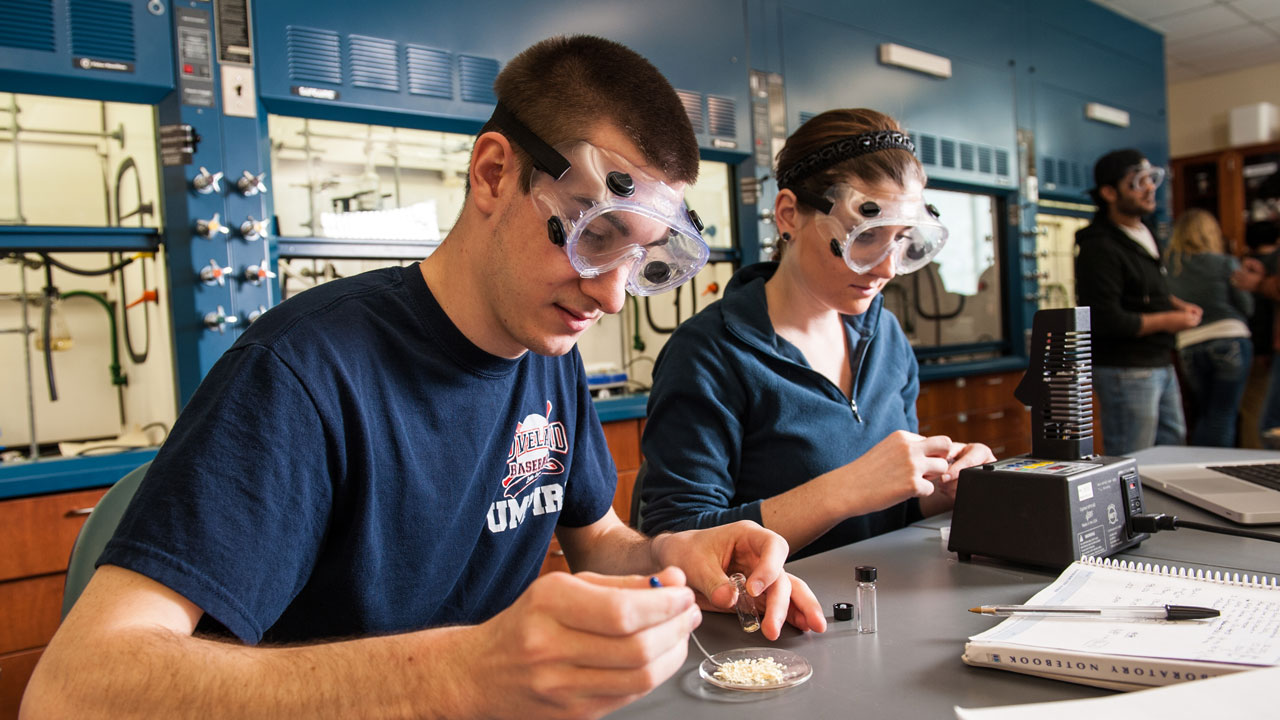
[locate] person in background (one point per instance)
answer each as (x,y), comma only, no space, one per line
(791,401)
(349,517)
(1260,274)
(1216,354)
(1134,316)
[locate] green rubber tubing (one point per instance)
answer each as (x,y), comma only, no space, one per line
(117,378)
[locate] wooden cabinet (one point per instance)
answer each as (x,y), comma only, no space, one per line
(1232,184)
(37,534)
(977,408)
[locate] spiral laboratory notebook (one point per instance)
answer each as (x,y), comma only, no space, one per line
(1135,654)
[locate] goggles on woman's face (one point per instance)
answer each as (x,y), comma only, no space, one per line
(865,229)
(607,213)
(1139,176)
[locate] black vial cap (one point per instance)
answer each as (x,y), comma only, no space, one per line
(843,611)
(865,573)
(620,184)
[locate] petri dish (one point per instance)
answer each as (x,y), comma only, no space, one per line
(795,668)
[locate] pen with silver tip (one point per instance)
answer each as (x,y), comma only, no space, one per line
(1154,612)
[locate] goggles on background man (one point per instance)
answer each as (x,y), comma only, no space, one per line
(607,213)
(1143,173)
(865,229)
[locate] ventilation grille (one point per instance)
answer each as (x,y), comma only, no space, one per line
(692,103)
(960,154)
(313,55)
(102,29)
(374,62)
(1061,173)
(1067,376)
(476,75)
(806,117)
(430,72)
(984,159)
(928,148)
(948,153)
(721,116)
(27,24)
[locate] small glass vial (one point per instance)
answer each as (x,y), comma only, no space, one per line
(866,599)
(746,606)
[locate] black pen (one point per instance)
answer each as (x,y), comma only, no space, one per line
(1155,612)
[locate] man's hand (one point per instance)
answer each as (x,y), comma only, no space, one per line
(1249,275)
(709,556)
(581,646)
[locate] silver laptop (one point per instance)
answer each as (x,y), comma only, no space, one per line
(1246,491)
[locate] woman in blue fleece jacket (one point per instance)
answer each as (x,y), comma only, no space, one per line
(791,401)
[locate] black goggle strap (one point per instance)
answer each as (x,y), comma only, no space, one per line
(812,199)
(545,157)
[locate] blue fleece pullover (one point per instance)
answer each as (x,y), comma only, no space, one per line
(737,415)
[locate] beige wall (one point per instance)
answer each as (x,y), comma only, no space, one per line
(1200,109)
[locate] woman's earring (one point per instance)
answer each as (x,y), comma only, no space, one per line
(786,237)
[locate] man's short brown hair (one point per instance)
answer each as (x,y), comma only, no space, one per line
(563,87)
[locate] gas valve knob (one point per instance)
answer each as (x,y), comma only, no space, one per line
(206,182)
(250,184)
(219,320)
(213,273)
(252,229)
(255,274)
(211,227)
(255,314)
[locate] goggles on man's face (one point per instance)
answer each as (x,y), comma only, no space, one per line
(865,229)
(1139,175)
(607,213)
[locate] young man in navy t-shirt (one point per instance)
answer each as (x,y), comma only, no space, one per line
(350,515)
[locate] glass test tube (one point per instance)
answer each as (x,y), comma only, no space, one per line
(866,600)
(746,606)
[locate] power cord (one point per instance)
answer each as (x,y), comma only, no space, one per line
(1155,522)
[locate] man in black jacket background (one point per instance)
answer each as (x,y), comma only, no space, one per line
(1120,277)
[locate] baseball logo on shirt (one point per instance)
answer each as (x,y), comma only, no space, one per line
(530,457)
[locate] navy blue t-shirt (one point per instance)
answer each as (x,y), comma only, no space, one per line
(354,466)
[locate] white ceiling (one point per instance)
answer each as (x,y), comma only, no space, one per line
(1207,37)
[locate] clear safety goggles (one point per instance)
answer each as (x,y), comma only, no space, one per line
(1140,175)
(865,229)
(607,213)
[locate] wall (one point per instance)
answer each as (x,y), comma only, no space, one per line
(1200,109)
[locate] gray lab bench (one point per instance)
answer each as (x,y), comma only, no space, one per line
(911,668)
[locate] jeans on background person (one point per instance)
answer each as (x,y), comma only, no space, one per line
(1139,407)
(1270,418)
(1216,372)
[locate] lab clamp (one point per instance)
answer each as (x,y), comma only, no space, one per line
(1062,502)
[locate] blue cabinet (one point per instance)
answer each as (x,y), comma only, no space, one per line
(395,63)
(96,49)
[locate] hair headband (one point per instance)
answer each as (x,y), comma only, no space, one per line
(844,149)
